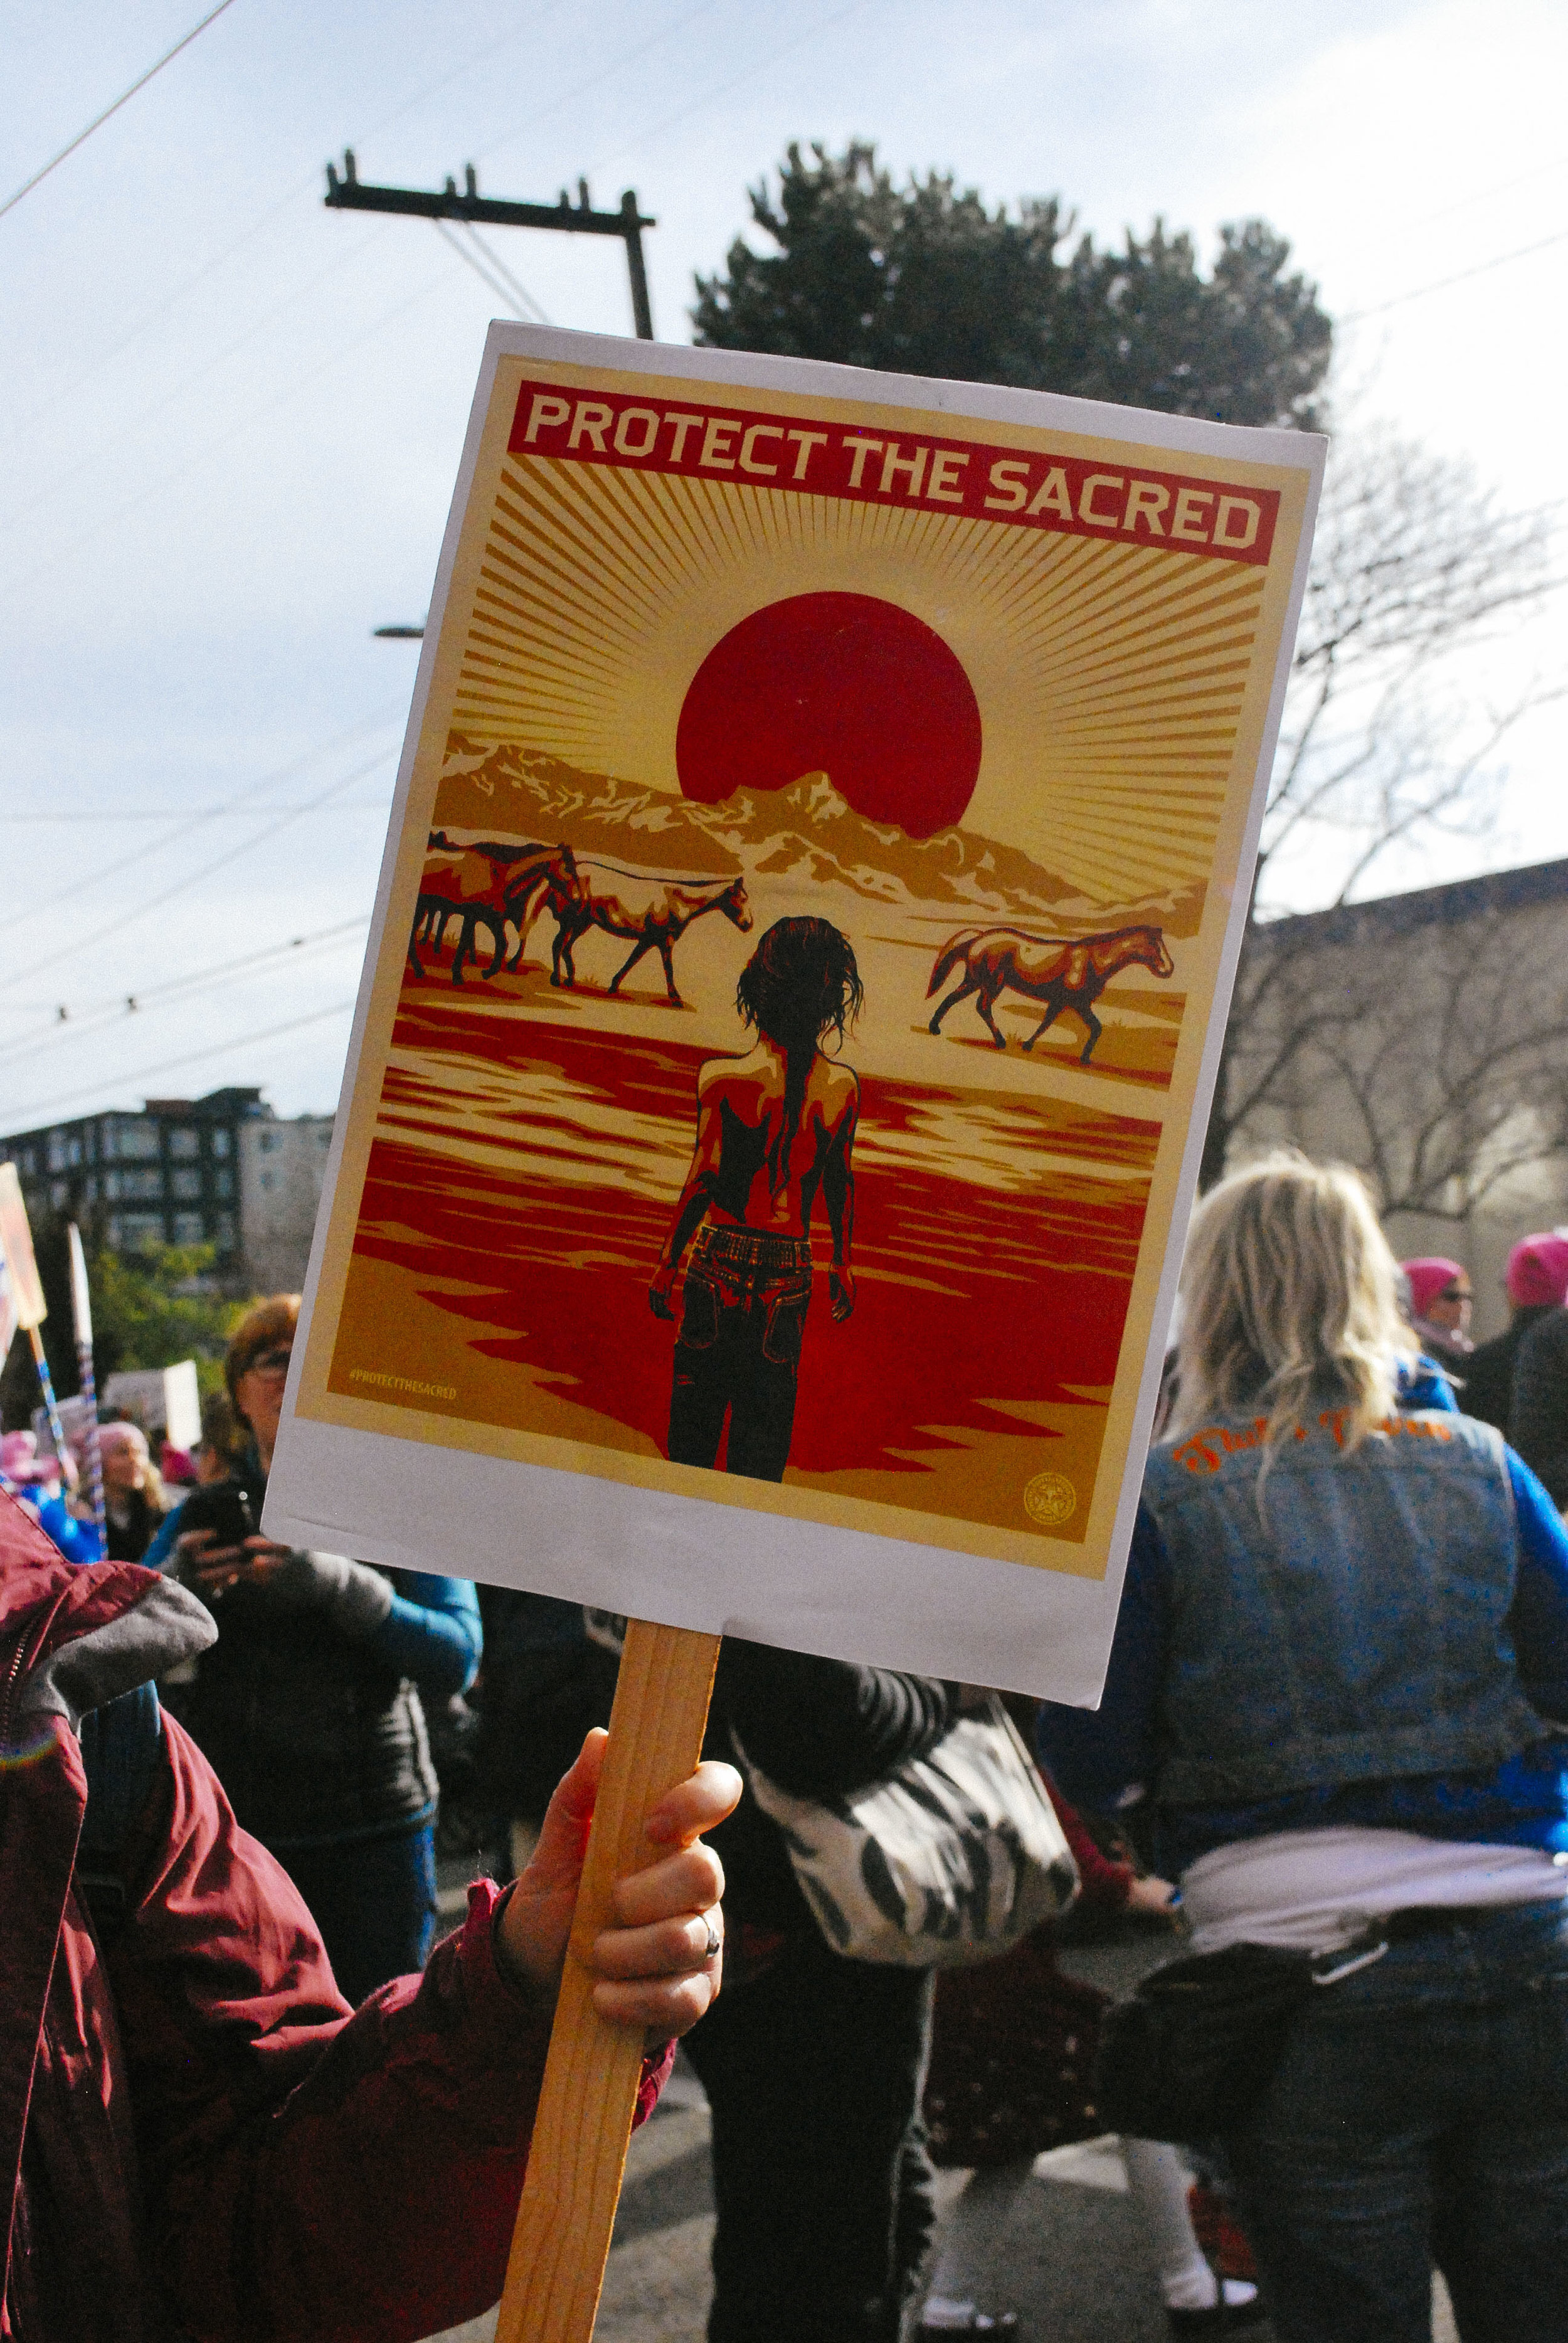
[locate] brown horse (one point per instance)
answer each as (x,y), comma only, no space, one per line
(1063,973)
(656,912)
(487,884)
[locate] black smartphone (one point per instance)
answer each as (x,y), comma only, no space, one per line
(225,1508)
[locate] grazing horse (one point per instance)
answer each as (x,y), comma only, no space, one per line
(655,912)
(1063,973)
(487,884)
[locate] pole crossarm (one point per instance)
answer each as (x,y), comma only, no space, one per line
(350,193)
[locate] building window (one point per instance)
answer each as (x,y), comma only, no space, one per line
(185,1144)
(136,1230)
(135,1141)
(56,1150)
(186,1185)
(91,1190)
(270,1140)
(130,1184)
(267,1178)
(29,1161)
(223,1228)
(187,1228)
(219,1142)
(223,1181)
(59,1191)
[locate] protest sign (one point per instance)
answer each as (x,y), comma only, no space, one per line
(17,1243)
(82,1322)
(26,1289)
(167,1400)
(985,683)
(820,856)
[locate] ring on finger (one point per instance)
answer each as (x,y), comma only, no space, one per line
(715,1935)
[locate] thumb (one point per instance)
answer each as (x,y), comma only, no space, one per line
(563,1836)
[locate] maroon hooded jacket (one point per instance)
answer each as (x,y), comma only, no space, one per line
(198,2139)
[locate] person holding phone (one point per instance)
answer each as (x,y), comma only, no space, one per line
(308,1707)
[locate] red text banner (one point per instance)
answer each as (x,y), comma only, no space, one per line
(1031,488)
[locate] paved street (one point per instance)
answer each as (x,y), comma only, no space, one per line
(1073,2266)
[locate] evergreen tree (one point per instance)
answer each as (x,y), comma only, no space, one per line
(923,279)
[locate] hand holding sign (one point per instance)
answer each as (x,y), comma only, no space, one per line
(655,1963)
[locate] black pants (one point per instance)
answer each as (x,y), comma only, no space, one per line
(739,1355)
(814,2073)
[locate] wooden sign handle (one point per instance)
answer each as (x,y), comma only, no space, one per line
(561,2241)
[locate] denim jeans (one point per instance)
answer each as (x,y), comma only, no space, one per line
(739,1353)
(374,1901)
(1420,2114)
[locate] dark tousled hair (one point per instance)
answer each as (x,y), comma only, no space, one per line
(801,984)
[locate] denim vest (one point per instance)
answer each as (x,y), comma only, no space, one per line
(1342,1618)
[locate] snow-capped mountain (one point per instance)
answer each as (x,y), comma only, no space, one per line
(805,833)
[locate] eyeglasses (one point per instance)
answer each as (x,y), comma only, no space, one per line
(270,1362)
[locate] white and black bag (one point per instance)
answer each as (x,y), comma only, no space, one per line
(949,1861)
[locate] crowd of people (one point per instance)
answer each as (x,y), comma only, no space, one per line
(247,2093)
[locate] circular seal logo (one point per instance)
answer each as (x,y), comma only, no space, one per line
(1051,1499)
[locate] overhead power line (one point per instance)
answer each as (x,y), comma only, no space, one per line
(492,272)
(190,1058)
(243,800)
(1459,277)
(1473,195)
(812,31)
(497,141)
(195,878)
(126,427)
(179,475)
(96,814)
(64,1027)
(301,188)
(124,99)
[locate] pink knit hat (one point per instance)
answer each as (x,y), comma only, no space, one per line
(20,1461)
(1429,1277)
(1538,1271)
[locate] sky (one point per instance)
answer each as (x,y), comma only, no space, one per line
(234,417)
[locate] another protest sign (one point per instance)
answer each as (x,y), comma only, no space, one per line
(82,1319)
(28,1289)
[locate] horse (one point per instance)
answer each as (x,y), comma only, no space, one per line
(1065,973)
(655,912)
(432,914)
(487,883)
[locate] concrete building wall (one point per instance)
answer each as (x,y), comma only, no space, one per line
(282,1166)
(1436,1061)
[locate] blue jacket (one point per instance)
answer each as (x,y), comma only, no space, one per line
(1382,1640)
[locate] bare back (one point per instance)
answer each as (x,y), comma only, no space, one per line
(741,1118)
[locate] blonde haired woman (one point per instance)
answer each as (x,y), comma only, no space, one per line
(134,1502)
(1343,1643)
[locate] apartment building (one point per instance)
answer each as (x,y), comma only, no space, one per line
(222,1169)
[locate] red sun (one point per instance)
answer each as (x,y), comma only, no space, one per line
(842,684)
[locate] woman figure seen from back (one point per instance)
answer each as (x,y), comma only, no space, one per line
(775,1129)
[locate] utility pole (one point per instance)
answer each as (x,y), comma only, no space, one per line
(348,194)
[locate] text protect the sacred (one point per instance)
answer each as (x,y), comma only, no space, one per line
(1034,489)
